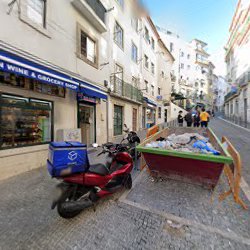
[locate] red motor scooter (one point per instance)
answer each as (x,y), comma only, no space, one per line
(79,191)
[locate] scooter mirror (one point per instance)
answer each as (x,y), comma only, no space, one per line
(95,145)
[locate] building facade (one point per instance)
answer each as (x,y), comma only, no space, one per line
(191,72)
(238,65)
(80,75)
(220,89)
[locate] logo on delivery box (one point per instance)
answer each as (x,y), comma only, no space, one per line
(72,155)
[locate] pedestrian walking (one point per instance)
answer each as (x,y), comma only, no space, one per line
(197,119)
(180,119)
(189,118)
(204,117)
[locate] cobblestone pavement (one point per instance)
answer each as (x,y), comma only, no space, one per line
(240,139)
(162,215)
(28,223)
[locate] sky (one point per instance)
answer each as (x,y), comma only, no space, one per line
(207,20)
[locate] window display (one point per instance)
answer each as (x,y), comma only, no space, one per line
(29,84)
(24,121)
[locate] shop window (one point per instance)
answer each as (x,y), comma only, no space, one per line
(159,112)
(88,48)
(118,35)
(30,84)
(24,121)
(36,11)
(118,120)
(134,52)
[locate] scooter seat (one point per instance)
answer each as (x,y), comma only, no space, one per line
(99,169)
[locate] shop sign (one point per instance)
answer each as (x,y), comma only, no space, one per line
(82,97)
(159,97)
(36,75)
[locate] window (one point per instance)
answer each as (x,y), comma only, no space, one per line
(152,68)
(153,90)
(162,74)
(36,11)
(121,3)
(118,120)
(146,61)
(188,56)
(118,83)
(134,52)
(24,121)
(182,54)
(188,67)
(182,66)
(135,82)
(147,35)
(146,86)
(135,23)
(159,112)
(159,91)
(152,43)
(118,35)
(88,48)
(171,47)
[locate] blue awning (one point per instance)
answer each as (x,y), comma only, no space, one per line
(149,101)
(27,68)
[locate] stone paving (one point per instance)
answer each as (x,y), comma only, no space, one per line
(240,139)
(194,203)
(154,215)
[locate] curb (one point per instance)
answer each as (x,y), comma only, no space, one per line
(236,125)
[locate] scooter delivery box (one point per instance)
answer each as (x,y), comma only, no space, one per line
(67,158)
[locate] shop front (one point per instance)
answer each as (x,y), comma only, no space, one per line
(87,118)
(150,110)
(35,103)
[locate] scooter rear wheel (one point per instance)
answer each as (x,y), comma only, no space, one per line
(61,209)
(128,182)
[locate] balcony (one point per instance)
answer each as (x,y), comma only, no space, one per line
(229,95)
(244,79)
(93,11)
(125,90)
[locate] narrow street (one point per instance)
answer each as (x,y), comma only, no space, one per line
(162,215)
(83,83)
(240,138)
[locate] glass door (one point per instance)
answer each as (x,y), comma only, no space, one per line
(87,123)
(118,118)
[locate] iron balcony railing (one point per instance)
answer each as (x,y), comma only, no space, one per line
(98,8)
(123,89)
(228,95)
(244,79)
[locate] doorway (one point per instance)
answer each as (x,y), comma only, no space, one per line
(245,110)
(118,120)
(134,120)
(87,123)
